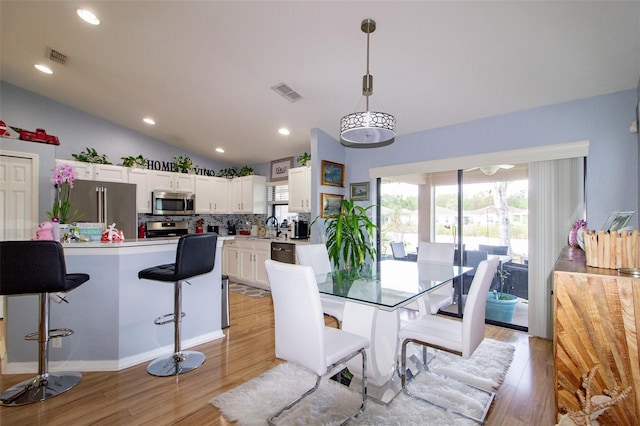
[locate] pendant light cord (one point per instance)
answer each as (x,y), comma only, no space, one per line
(367,95)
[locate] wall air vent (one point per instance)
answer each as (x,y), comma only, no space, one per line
(287,92)
(57,57)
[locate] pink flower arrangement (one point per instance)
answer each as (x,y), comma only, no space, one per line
(63,177)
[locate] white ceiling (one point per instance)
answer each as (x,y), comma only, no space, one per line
(203,69)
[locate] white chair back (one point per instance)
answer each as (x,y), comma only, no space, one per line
(298,315)
(397,249)
(474,308)
(436,252)
(314,255)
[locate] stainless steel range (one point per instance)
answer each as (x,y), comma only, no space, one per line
(166,229)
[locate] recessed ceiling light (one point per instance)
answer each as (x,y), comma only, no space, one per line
(88,16)
(284,131)
(220,150)
(43,68)
(149,120)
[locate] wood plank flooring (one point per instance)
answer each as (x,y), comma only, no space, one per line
(133,397)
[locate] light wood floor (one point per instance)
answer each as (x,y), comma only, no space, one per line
(133,397)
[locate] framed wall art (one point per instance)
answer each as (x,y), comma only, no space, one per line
(331,204)
(359,191)
(332,174)
(280,169)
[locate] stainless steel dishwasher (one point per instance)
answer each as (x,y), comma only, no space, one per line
(283,252)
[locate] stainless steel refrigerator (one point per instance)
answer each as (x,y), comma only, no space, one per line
(106,203)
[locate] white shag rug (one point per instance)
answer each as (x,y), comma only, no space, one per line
(254,401)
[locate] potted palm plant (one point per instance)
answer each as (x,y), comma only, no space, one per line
(350,237)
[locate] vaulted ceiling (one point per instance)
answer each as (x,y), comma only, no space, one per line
(204,69)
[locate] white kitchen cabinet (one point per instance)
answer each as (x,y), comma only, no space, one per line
(248,194)
(84,171)
(98,172)
(140,177)
(243,261)
(170,181)
(212,194)
(204,198)
(300,190)
(110,173)
(220,195)
(261,277)
(230,259)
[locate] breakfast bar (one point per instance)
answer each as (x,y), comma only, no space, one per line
(112,314)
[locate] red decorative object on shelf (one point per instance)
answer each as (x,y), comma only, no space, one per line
(7,131)
(40,135)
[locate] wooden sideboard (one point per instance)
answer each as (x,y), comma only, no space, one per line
(596,322)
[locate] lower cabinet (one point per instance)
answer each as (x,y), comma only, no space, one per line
(243,261)
(230,259)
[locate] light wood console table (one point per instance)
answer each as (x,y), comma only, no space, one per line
(596,321)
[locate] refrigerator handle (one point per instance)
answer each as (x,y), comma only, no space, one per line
(99,201)
(105,204)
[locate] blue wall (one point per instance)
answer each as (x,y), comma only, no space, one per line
(77,130)
(612,163)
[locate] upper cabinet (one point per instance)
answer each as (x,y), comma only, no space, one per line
(141,178)
(109,173)
(84,171)
(212,194)
(170,181)
(204,194)
(300,190)
(99,172)
(248,194)
(220,195)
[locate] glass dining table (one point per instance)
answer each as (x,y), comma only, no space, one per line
(372,298)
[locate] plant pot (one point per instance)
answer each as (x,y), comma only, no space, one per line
(501,309)
(199,229)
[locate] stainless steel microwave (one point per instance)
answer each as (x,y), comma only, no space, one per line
(173,203)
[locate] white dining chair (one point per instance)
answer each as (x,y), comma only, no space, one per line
(450,335)
(316,256)
(397,250)
(440,254)
(301,336)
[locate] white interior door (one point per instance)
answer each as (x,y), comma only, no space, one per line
(18,198)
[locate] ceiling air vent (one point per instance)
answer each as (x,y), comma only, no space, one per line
(287,92)
(57,57)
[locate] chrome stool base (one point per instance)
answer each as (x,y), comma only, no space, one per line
(175,364)
(39,388)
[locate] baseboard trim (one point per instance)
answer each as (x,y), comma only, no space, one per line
(108,365)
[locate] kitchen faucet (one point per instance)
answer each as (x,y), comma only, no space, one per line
(275,220)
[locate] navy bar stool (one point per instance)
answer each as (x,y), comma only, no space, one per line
(195,256)
(38,267)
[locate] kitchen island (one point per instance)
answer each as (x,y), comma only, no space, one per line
(112,314)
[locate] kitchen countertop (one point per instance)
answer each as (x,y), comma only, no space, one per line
(276,240)
(131,243)
(163,241)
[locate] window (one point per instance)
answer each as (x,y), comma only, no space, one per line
(278,201)
(399,216)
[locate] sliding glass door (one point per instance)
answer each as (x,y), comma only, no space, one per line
(484,212)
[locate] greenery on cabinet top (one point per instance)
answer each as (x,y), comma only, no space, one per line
(181,163)
(90,155)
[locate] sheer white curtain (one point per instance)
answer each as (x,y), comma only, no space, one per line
(556,201)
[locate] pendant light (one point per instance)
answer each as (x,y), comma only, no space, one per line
(367,129)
